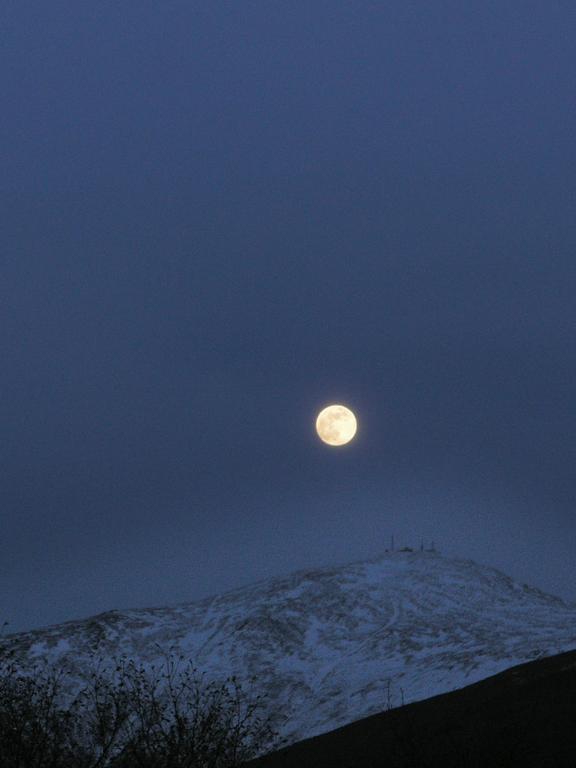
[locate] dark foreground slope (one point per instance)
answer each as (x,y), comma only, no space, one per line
(525,716)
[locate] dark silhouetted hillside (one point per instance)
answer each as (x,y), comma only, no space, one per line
(525,717)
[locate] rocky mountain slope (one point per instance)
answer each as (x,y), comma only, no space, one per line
(329,646)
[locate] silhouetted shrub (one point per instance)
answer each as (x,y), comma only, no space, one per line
(127,715)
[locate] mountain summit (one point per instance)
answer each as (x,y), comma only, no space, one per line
(328,646)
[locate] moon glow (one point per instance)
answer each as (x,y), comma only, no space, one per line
(336,425)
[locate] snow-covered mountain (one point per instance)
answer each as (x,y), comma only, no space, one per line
(333,645)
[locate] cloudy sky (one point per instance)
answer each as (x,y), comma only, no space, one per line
(219,216)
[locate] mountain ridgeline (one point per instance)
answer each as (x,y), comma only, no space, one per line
(329,646)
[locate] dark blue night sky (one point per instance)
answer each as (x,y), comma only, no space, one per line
(217,217)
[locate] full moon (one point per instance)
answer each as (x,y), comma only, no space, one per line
(336,425)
